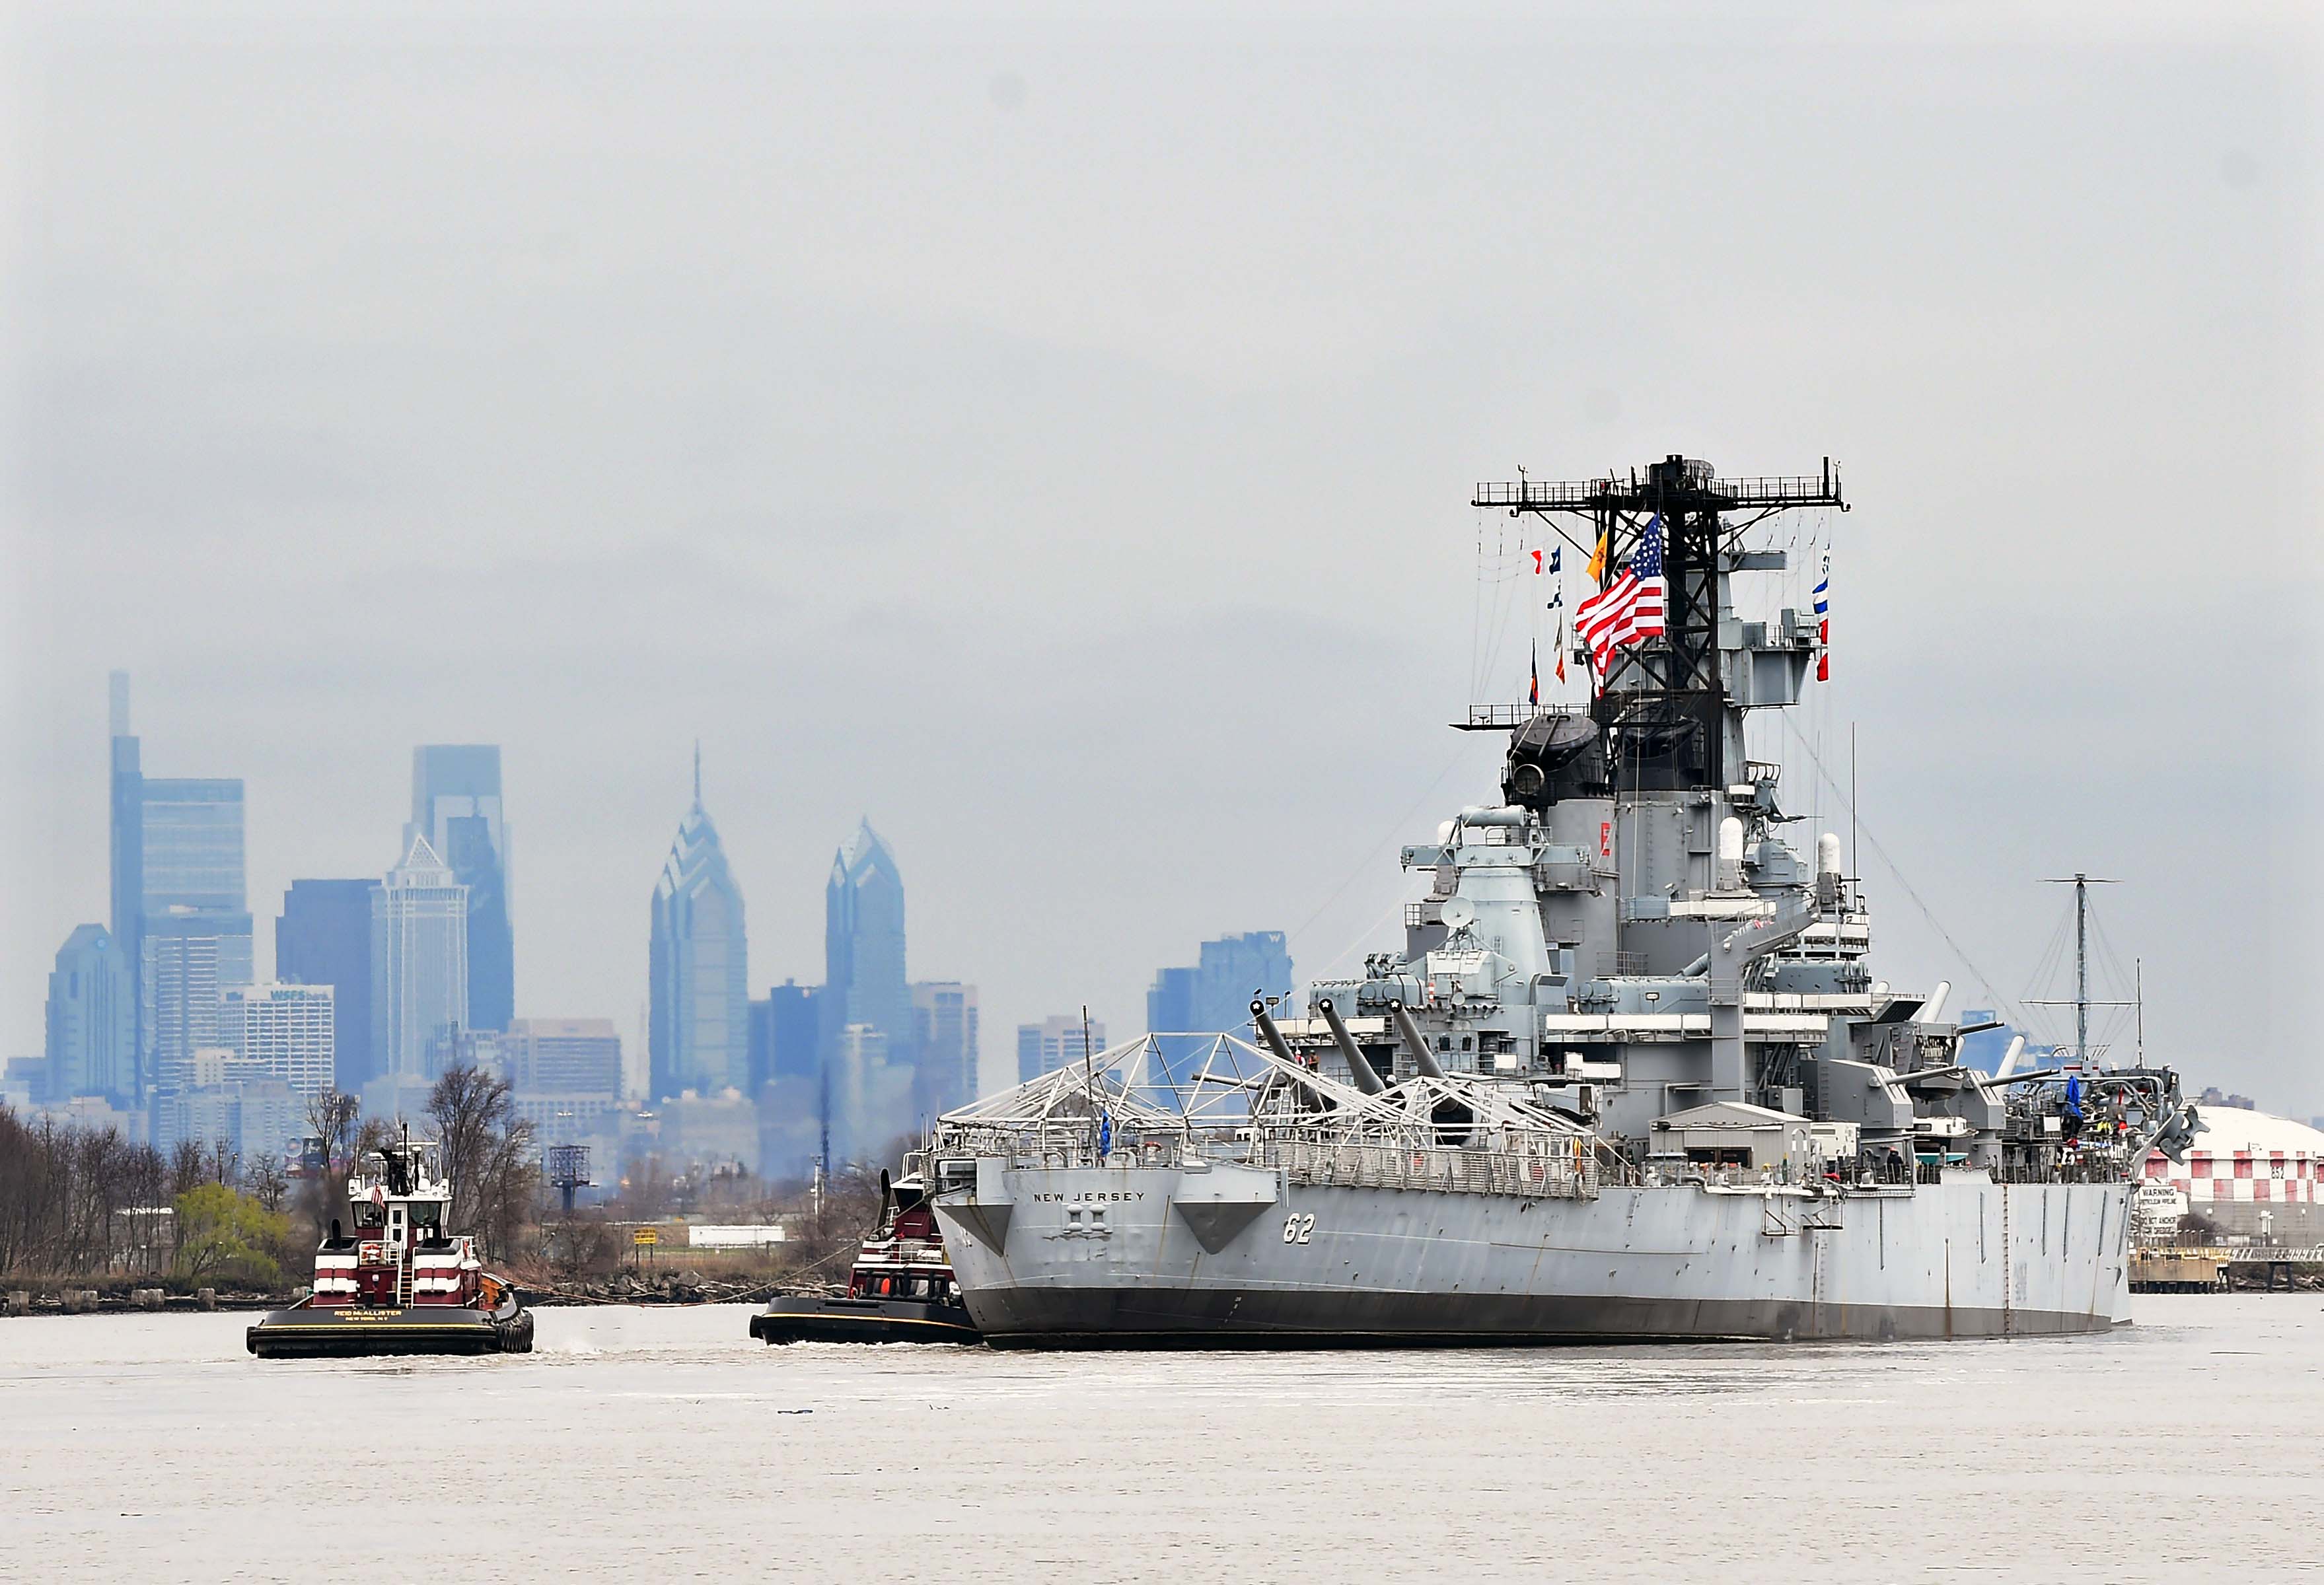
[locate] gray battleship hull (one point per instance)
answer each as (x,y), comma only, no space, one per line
(1314,1264)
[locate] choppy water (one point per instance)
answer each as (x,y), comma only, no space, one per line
(664,1442)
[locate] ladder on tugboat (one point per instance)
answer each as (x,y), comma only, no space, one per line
(403,1281)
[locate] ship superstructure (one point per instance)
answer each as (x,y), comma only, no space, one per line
(1630,1073)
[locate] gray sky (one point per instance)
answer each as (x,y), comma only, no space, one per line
(1052,437)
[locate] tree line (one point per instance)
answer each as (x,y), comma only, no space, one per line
(87,1202)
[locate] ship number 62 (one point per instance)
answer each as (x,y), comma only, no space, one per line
(1296,1227)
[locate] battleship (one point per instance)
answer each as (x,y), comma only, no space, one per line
(1629,1077)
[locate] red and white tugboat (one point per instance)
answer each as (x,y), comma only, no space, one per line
(901,1290)
(390,1280)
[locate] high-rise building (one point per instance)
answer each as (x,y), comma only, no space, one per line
(699,1034)
(192,834)
(864,945)
(944,1047)
(869,1095)
(794,1014)
(127,852)
(1214,995)
(564,1057)
(784,1034)
(1055,1042)
(456,804)
(324,938)
(92,1020)
(234,1106)
(178,909)
(419,964)
(287,1032)
(192,958)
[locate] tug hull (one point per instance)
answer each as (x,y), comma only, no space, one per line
(811,1319)
(308,1330)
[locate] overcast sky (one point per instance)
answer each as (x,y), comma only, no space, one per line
(1052,438)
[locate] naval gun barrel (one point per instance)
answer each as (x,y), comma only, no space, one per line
(1422,1057)
(1269,1033)
(1358,1069)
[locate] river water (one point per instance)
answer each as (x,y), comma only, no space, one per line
(664,1442)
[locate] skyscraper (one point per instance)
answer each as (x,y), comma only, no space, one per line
(324,938)
(1214,995)
(189,962)
(786,1041)
(420,963)
(943,1043)
(1054,1043)
(92,1020)
(179,907)
(285,1032)
(699,1032)
(456,804)
(863,942)
(194,933)
(564,1057)
(127,850)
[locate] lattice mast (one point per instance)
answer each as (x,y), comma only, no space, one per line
(1678,677)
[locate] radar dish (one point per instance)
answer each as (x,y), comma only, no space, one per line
(1457,912)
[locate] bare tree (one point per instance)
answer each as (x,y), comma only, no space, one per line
(488,1154)
(332,1121)
(188,1166)
(265,1179)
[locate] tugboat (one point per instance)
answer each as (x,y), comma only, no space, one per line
(901,1290)
(395,1282)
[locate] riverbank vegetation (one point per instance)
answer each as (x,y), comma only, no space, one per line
(89,1206)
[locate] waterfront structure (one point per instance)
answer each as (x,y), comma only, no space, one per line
(92,1020)
(2250,1175)
(564,1057)
(864,945)
(1055,1042)
(419,964)
(456,804)
(944,1047)
(699,1030)
(323,937)
(288,1032)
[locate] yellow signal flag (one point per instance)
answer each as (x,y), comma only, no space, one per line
(1598,558)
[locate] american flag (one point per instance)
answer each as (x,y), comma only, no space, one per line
(1628,609)
(1823,623)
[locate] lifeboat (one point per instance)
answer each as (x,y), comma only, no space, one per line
(901,1289)
(390,1279)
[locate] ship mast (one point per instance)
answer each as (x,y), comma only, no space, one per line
(1679,677)
(2082,883)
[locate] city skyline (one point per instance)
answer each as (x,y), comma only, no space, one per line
(1198,433)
